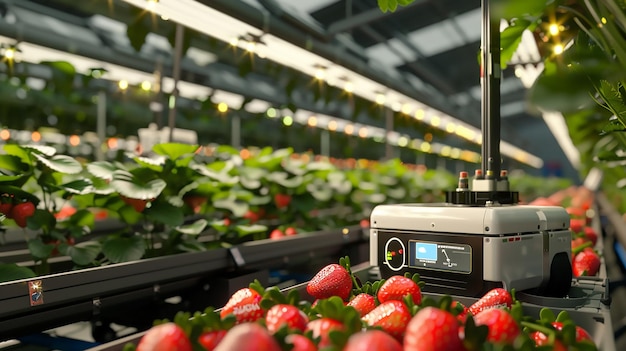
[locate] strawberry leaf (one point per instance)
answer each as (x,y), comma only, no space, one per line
(475,336)
(546,315)
(132,187)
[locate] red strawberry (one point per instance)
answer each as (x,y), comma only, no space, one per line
(138,204)
(462,311)
(363,303)
(392,316)
(502,327)
(332,280)
(245,304)
(372,340)
(283,314)
(586,263)
(364,223)
(277,234)
(248,337)
(591,234)
(227,221)
(320,329)
(433,329)
(576,225)
(494,298)
(581,334)
(194,202)
(396,287)
(300,343)
(542,339)
(164,337)
(210,339)
(6,204)
(21,212)
(282,200)
(289,231)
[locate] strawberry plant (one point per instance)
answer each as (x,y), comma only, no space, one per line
(36,183)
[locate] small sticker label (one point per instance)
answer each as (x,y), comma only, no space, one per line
(35,292)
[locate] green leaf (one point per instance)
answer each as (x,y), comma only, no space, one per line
(12,165)
(79,186)
(102,169)
(11,271)
(174,150)
(137,31)
(83,218)
(282,179)
(38,249)
(154,163)
(124,248)
(163,212)
(61,163)
(614,125)
(194,228)
(245,230)
(42,220)
(84,253)
(130,186)
(221,177)
(511,37)
(40,149)
(515,9)
(238,208)
(19,193)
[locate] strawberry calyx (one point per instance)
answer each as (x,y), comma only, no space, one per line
(580,248)
(345,263)
(334,308)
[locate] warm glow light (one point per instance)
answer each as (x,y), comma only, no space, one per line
(450,127)
(603,20)
(406,109)
(312,122)
(554,29)
(419,114)
(445,151)
(320,73)
(435,121)
(74,140)
(234,41)
(271,112)
(396,106)
(349,129)
(428,137)
(146,85)
(36,136)
(363,132)
(250,46)
(287,120)
(123,84)
(558,49)
(348,87)
(332,125)
(403,141)
(112,143)
(425,147)
(9,54)
(222,107)
(245,154)
(380,99)
(5,134)
(151,5)
(455,153)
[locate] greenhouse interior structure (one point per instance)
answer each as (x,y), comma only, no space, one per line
(312,175)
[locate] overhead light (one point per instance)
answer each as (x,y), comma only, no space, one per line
(224,27)
(222,107)
(146,85)
(123,84)
(558,49)
(553,29)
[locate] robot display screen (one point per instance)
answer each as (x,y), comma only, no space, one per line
(440,256)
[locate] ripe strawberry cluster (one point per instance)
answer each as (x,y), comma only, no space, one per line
(388,315)
(16,209)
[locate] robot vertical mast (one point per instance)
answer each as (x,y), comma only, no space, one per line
(490,83)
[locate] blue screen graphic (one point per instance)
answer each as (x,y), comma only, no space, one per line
(426,251)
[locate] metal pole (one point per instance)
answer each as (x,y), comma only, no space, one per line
(178,52)
(388,130)
(325,143)
(490,79)
(235,131)
(101,123)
